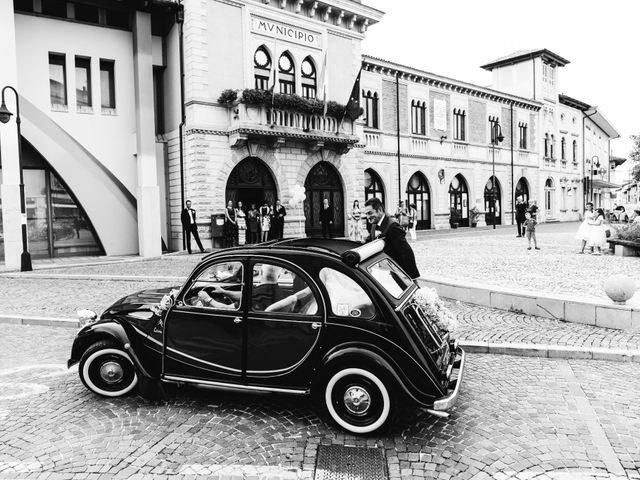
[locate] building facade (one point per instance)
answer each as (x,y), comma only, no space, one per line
(129,109)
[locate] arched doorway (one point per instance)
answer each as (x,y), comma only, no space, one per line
(250,182)
(418,194)
(492,204)
(373,186)
(323,181)
(522,189)
(459,198)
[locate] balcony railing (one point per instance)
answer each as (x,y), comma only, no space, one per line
(248,121)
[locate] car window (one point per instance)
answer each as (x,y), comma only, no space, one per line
(347,298)
(390,277)
(219,287)
(278,289)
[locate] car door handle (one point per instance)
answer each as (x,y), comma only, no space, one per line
(237,320)
(316,325)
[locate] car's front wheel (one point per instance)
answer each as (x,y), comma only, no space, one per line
(107,370)
(358,400)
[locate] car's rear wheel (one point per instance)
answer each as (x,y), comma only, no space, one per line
(358,400)
(107,370)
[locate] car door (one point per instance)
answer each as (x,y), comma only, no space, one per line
(285,316)
(203,336)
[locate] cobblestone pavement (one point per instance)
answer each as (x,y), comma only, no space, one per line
(516,418)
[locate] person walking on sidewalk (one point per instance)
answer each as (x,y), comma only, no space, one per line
(521,209)
(530,225)
(189,226)
(584,231)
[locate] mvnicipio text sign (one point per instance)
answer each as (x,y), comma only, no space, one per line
(285,31)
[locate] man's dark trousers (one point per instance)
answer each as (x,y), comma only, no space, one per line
(192,230)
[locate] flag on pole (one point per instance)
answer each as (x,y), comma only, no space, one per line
(352,110)
(323,79)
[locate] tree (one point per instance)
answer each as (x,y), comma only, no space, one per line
(634,156)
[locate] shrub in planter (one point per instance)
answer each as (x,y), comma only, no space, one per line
(630,232)
(454,217)
(227,97)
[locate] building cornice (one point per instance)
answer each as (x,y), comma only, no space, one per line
(391,69)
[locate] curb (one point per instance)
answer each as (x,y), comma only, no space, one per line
(79,276)
(517,349)
(551,351)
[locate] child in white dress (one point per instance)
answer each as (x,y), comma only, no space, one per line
(584,231)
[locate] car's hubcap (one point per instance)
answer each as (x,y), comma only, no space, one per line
(357,400)
(111,372)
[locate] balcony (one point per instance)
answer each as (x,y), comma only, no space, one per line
(276,126)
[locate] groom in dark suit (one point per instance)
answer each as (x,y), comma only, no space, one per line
(396,246)
(189,226)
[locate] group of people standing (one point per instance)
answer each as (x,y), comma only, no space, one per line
(254,225)
(593,230)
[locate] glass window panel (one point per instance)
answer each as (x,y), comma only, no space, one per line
(72,231)
(35,188)
(391,277)
(348,299)
(86,13)
(83,82)
(218,287)
(57,79)
(54,8)
(277,289)
(107,87)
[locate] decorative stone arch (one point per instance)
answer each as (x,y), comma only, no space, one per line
(418,192)
(522,189)
(345,177)
(493,206)
(383,188)
(458,191)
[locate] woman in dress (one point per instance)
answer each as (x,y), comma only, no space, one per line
(253,224)
(584,231)
(413,216)
(598,236)
(265,221)
(230,225)
(355,225)
(241,221)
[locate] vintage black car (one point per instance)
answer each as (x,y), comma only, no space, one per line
(331,318)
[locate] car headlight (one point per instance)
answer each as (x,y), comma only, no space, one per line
(86,317)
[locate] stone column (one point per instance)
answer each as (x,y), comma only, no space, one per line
(147,192)
(10,191)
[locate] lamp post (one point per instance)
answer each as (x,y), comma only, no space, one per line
(595,162)
(5,116)
(496,137)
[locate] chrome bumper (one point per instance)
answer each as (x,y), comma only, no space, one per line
(446,402)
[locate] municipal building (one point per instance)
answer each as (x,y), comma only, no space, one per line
(129,108)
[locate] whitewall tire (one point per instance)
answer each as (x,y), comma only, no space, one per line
(107,370)
(358,400)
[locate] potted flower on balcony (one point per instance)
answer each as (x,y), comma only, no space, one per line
(454,217)
(228,98)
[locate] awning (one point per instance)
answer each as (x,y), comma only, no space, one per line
(598,183)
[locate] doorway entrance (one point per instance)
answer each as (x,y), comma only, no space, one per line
(250,182)
(492,202)
(418,195)
(459,198)
(323,181)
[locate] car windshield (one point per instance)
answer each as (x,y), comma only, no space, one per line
(390,277)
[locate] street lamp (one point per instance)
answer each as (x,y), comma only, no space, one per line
(5,116)
(496,137)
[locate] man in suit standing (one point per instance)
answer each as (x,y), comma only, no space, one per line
(326,219)
(279,212)
(396,246)
(189,226)
(521,209)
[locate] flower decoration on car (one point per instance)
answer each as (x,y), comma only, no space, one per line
(434,307)
(166,303)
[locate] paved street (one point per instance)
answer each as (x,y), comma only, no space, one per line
(524,417)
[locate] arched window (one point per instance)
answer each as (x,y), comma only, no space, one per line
(371,108)
(575,151)
(373,185)
(286,74)
(418,195)
(552,147)
(546,145)
(459,124)
(418,116)
(522,130)
(563,149)
(308,78)
(549,189)
(459,199)
(261,68)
